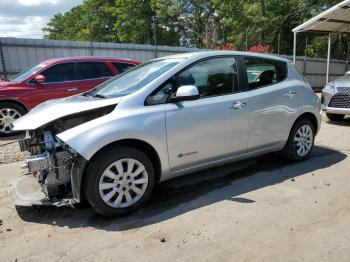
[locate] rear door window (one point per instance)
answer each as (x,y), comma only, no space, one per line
(122,67)
(264,72)
(92,70)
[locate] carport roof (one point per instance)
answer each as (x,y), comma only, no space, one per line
(335,19)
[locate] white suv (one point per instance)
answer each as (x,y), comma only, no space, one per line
(165,118)
(336,98)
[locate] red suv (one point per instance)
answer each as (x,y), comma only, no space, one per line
(54,78)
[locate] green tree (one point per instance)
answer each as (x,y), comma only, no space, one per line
(199,23)
(99,21)
(270,20)
(177,22)
(132,20)
(196,21)
(85,21)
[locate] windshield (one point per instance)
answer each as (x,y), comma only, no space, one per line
(134,79)
(20,77)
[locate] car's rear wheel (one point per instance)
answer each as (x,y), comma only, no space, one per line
(119,180)
(9,113)
(301,141)
(335,117)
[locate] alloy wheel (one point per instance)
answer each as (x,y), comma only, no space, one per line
(7,117)
(303,140)
(123,183)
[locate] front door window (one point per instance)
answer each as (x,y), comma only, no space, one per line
(59,73)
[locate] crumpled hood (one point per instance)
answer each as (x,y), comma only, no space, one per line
(55,109)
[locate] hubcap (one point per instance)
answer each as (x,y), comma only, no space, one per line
(7,117)
(303,140)
(123,183)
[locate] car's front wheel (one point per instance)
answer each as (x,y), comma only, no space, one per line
(9,112)
(301,141)
(119,180)
(335,117)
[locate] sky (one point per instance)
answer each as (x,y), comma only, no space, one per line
(26,18)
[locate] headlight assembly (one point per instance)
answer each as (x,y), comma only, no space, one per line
(330,88)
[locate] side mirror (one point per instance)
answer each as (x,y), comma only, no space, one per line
(186,93)
(39,79)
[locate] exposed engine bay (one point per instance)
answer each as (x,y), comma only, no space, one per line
(52,164)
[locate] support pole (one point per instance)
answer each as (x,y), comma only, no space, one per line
(154,36)
(305,55)
(306,46)
(328,57)
(91,47)
(246,40)
(90,34)
(347,58)
(2,59)
(295,48)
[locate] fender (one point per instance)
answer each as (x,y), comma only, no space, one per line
(89,138)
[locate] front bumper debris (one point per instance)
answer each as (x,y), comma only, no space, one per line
(26,191)
(52,179)
(49,171)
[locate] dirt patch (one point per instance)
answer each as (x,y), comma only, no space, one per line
(9,150)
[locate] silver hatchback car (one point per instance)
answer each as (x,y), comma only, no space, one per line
(165,118)
(336,98)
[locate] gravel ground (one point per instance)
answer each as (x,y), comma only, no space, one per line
(271,211)
(9,150)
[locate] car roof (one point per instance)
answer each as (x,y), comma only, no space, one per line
(91,58)
(204,54)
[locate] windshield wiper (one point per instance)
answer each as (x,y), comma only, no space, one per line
(99,96)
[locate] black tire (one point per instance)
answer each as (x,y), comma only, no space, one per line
(335,117)
(13,106)
(290,150)
(95,170)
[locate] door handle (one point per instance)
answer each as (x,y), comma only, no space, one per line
(238,105)
(72,89)
(291,94)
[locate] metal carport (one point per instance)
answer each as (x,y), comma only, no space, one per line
(334,20)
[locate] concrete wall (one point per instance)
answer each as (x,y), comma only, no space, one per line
(17,54)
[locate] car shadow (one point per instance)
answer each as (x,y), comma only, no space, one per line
(344,122)
(181,195)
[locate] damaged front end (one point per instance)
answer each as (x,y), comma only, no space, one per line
(53,169)
(53,172)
